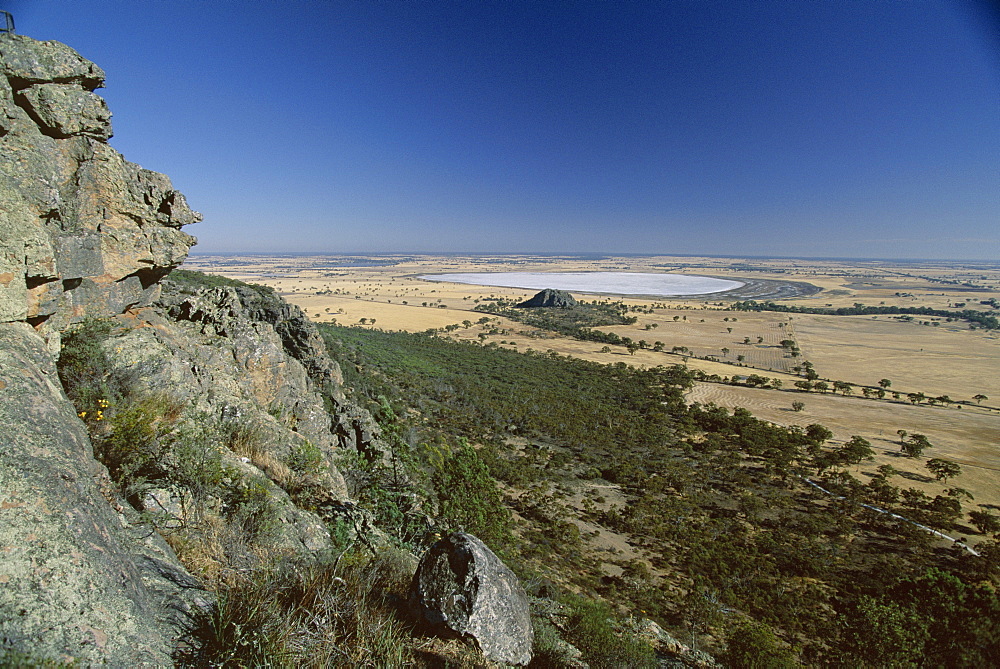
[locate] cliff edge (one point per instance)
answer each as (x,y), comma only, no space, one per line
(145,425)
(83,232)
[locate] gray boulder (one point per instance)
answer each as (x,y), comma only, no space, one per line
(27,61)
(549,298)
(463,589)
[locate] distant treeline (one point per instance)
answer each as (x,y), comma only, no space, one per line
(979,318)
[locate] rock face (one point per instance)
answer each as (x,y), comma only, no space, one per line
(461,588)
(550,298)
(79,579)
(250,318)
(83,232)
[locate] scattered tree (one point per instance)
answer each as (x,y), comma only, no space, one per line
(856,450)
(985,521)
(943,469)
(915,445)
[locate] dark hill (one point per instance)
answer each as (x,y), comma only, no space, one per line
(550,298)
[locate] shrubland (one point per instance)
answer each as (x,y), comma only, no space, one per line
(728,545)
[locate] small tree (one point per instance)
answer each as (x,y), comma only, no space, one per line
(886,471)
(818,433)
(943,469)
(985,521)
(856,450)
(885,383)
(754,644)
(842,387)
(979,398)
(914,447)
(798,406)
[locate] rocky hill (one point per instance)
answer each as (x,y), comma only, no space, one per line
(549,297)
(86,238)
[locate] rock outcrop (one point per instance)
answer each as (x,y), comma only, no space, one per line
(80,580)
(463,589)
(83,232)
(240,378)
(549,298)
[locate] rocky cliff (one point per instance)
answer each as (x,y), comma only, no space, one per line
(214,413)
(83,232)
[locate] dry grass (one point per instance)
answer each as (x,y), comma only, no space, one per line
(967,436)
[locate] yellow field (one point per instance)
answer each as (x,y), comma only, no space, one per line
(926,354)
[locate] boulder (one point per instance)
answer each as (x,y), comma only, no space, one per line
(463,589)
(26,61)
(549,298)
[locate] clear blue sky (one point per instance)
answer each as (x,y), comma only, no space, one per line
(866,128)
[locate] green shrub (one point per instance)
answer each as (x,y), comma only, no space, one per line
(753,645)
(306,459)
(196,462)
(17,659)
(135,440)
(85,370)
(248,505)
(468,496)
(592,629)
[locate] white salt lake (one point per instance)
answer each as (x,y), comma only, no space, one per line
(616,283)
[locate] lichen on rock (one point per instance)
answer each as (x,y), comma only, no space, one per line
(463,589)
(83,232)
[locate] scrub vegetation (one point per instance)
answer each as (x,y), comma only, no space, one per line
(714,531)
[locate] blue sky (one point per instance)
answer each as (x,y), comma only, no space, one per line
(863,128)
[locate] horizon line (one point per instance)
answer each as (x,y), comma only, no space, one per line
(602,254)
